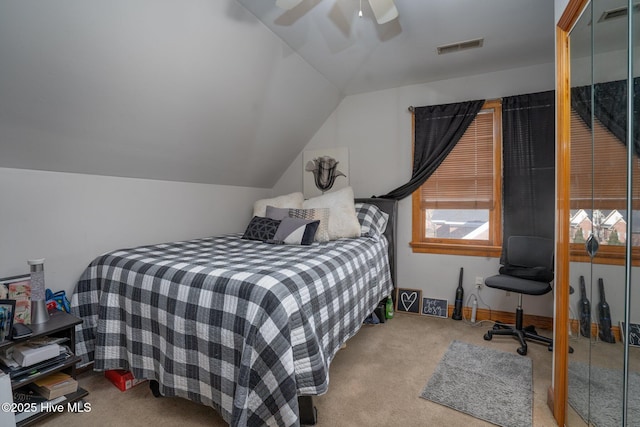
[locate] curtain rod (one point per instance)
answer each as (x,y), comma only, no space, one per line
(412,108)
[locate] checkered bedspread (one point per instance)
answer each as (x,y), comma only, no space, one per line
(239,325)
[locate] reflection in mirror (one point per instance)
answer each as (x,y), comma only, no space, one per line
(600,219)
(581,224)
(632,334)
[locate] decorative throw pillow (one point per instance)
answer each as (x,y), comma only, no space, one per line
(293,200)
(321,214)
(296,231)
(260,228)
(373,221)
(343,221)
(277,213)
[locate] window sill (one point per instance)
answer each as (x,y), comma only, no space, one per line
(606,255)
(456,249)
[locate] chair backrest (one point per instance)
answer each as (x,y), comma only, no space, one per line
(530,251)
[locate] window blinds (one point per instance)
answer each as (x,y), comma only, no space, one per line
(464,180)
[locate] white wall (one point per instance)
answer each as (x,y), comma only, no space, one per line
(69,219)
(376,127)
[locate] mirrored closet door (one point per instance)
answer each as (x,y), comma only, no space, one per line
(603,378)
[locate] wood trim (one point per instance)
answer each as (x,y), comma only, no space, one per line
(563,181)
(540,322)
(557,397)
(571,14)
(575,329)
(609,255)
(495,223)
(456,249)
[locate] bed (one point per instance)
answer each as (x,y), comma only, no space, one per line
(246,327)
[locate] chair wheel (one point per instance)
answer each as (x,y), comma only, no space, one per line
(488,336)
(550,347)
(522,351)
(570,349)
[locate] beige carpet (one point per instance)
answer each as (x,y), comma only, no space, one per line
(375,380)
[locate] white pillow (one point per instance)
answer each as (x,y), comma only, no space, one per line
(293,200)
(343,221)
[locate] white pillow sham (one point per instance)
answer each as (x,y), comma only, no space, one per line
(343,221)
(293,200)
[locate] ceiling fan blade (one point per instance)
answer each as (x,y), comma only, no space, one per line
(384,10)
(287,4)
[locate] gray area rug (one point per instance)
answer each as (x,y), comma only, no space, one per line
(488,384)
(604,409)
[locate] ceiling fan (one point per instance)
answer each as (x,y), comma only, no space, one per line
(383,10)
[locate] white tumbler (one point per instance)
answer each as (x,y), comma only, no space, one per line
(39,312)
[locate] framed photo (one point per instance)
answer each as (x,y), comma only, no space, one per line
(18,288)
(7,310)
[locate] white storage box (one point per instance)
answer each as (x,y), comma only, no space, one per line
(27,355)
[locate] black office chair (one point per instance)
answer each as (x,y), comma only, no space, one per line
(527,269)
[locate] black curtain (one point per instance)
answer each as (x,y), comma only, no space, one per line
(528,129)
(610,102)
(437,130)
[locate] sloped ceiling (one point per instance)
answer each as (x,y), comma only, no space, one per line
(223,91)
(197,91)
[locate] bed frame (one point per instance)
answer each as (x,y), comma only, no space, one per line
(307,412)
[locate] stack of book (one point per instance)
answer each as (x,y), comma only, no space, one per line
(54,385)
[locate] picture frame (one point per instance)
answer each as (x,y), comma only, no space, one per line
(408,300)
(435,307)
(7,310)
(18,288)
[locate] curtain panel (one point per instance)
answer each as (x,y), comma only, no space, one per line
(437,130)
(610,100)
(528,128)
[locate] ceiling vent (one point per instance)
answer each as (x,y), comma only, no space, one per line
(457,47)
(620,12)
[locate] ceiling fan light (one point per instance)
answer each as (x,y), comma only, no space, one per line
(384,10)
(287,4)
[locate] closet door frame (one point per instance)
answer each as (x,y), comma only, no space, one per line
(558,393)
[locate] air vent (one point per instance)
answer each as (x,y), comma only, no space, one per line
(457,47)
(620,12)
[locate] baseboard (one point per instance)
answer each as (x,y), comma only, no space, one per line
(574,324)
(541,322)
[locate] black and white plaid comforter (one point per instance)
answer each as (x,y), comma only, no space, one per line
(239,325)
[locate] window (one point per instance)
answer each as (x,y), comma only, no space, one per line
(598,199)
(458,209)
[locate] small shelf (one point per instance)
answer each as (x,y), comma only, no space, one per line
(44,372)
(60,324)
(69,398)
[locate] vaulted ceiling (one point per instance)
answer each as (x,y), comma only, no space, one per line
(224,91)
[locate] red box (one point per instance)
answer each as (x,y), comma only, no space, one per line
(122,379)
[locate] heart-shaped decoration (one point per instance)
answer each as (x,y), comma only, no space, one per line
(408,299)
